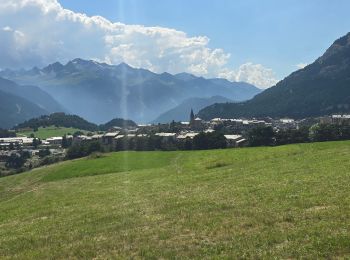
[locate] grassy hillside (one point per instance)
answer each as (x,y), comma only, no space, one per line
(282,202)
(50,131)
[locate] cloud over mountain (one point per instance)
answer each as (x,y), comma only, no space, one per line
(38,32)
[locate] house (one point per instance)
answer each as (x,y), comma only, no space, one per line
(341,119)
(233,140)
(81,138)
(108,138)
(55,140)
(184,136)
(97,137)
(242,142)
(197,123)
(286,120)
(6,143)
(115,129)
(166,137)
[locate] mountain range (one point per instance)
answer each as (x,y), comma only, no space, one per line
(14,109)
(99,92)
(18,103)
(320,88)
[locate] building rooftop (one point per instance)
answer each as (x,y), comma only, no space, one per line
(187,135)
(112,134)
(166,134)
(97,136)
(23,140)
(233,137)
(54,138)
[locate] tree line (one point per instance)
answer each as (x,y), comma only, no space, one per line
(203,141)
(267,136)
(73,121)
(260,136)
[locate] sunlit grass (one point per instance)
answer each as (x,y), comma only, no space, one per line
(283,202)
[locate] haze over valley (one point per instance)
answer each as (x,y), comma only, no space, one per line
(100,92)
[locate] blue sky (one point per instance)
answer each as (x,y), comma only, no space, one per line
(277,34)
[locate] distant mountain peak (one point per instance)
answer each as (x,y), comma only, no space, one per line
(343,41)
(124,65)
(339,50)
(185,76)
(82,62)
(321,88)
(54,67)
(79,60)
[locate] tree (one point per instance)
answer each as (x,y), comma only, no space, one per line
(58,120)
(291,136)
(77,133)
(66,142)
(44,152)
(25,155)
(141,144)
(83,149)
(204,141)
(188,144)
(324,132)
(261,136)
(6,133)
(15,161)
(36,143)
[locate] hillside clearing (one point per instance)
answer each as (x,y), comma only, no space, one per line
(282,202)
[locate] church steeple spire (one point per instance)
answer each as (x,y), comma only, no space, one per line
(191,116)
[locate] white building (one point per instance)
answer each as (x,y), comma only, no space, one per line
(55,140)
(184,136)
(233,140)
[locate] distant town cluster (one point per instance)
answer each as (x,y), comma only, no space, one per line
(216,133)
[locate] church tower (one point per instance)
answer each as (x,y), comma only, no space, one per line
(191,117)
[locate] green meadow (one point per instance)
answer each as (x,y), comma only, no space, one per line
(50,131)
(272,202)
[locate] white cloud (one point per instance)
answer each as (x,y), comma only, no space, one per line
(301,65)
(7,29)
(255,74)
(38,32)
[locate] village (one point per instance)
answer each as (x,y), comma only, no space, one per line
(174,134)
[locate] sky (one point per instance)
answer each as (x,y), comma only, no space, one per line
(256,41)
